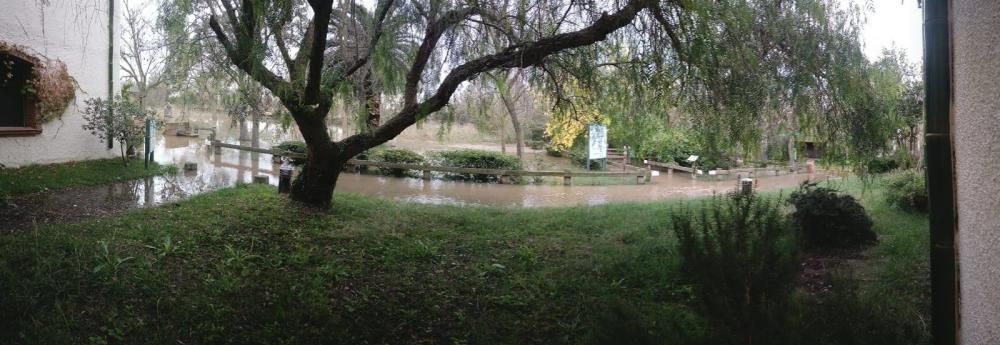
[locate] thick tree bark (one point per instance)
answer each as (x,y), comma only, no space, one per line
(317,178)
(315,182)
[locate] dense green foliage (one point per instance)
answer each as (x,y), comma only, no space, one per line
(668,145)
(907,190)
(828,219)
(740,258)
(480,159)
(244,266)
(51,177)
(294,147)
(396,155)
(879,165)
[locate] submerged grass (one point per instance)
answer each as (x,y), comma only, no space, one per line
(40,178)
(244,266)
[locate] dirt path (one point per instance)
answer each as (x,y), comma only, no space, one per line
(65,206)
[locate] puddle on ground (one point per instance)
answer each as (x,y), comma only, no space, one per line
(234,166)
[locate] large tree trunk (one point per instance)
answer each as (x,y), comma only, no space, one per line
(315,183)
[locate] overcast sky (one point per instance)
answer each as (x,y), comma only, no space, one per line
(898,22)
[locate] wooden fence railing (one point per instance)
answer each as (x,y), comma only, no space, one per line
(642,176)
(778,169)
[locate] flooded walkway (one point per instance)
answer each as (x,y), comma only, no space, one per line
(232,167)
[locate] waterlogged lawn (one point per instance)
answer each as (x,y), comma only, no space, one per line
(242,266)
(40,178)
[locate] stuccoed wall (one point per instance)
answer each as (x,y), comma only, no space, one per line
(976,121)
(76,32)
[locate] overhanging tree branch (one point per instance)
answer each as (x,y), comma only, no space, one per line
(433,33)
(516,56)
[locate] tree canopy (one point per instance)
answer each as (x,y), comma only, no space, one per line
(732,71)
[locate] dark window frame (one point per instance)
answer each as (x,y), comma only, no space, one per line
(31,126)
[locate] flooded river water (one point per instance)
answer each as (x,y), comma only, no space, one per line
(232,166)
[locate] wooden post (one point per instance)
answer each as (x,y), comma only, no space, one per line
(427,174)
(567,181)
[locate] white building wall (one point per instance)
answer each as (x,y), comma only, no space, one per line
(76,32)
(976,130)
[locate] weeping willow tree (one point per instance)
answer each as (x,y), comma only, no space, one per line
(729,64)
(285,46)
(738,75)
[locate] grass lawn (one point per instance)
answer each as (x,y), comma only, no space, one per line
(40,178)
(242,266)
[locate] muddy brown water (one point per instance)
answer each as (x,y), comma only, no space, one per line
(233,166)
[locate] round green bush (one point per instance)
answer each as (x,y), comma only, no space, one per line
(298,147)
(881,165)
(479,159)
(402,156)
(907,190)
(826,219)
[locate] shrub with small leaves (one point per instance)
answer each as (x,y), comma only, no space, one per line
(119,120)
(826,219)
(907,190)
(402,156)
(738,254)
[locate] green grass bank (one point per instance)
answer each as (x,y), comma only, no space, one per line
(40,178)
(242,266)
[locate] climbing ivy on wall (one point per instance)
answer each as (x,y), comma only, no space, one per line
(51,87)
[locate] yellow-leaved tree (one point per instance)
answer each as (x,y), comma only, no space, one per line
(569,120)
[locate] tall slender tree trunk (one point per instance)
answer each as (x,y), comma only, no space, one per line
(373,102)
(255,129)
(515,122)
(244,131)
(503,138)
(792,156)
(509,103)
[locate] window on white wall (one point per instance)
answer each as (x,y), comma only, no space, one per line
(17,108)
